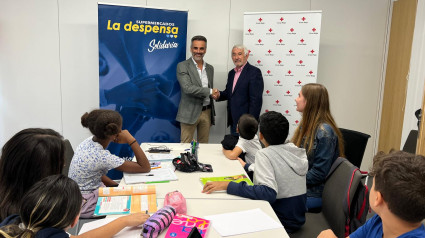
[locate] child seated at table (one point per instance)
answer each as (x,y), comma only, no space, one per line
(397,196)
(280,174)
(52,206)
(92,161)
(248,142)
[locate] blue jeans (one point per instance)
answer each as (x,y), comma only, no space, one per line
(313,202)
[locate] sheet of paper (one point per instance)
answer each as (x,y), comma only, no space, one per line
(162,174)
(124,233)
(235,223)
(159,156)
(113,205)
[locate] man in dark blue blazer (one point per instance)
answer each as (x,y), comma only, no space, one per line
(244,88)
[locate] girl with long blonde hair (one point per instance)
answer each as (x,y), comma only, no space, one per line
(319,135)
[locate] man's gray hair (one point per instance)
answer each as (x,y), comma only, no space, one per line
(241,47)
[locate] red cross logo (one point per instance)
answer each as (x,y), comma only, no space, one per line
(270,29)
(290,51)
(296,121)
(300,61)
(260,19)
(267,110)
(312,51)
(277,101)
(259,40)
(249,51)
(289,72)
(249,30)
(287,111)
(268,71)
(299,82)
(267,91)
(258,61)
(281,19)
(303,18)
(314,29)
(278,82)
(292,29)
(302,40)
(287,92)
(269,51)
(311,72)
(280,40)
(279,61)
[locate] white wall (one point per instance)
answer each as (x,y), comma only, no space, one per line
(49,58)
(30,85)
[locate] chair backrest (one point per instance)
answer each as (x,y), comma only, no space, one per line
(354,145)
(334,194)
(69,153)
(411,141)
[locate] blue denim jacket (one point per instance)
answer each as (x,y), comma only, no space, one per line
(324,152)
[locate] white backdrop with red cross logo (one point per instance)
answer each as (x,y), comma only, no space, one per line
(285,46)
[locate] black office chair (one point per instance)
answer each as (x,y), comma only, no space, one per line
(69,153)
(354,145)
(334,193)
(411,141)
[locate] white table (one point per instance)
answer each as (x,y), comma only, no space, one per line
(188,183)
(205,207)
(200,204)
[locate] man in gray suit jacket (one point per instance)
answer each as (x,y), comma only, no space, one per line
(196,108)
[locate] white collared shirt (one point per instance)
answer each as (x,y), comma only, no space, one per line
(204,79)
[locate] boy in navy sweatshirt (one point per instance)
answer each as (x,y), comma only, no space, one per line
(280,174)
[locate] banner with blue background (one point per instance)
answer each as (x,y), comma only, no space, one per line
(139,49)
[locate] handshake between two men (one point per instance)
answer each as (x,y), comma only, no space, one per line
(215,94)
